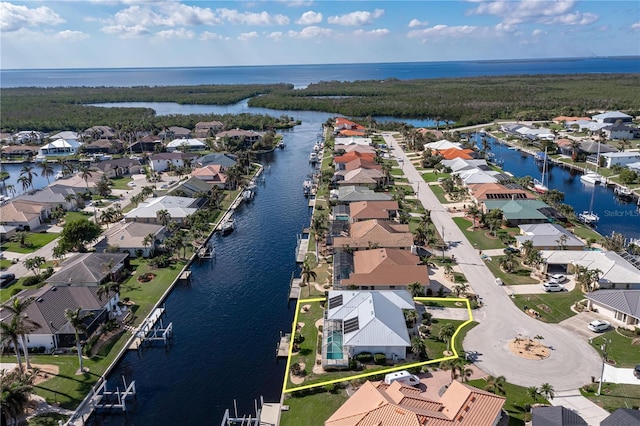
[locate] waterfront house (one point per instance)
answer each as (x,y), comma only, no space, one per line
(480,192)
(25,136)
(460,164)
(368,178)
(177,207)
(24,215)
(205,129)
(476,176)
(591,146)
(119,167)
(431,133)
(453,153)
(520,212)
(13,151)
(47,310)
(165,161)
(65,135)
(622,306)
(99,132)
(365,321)
(149,143)
(442,145)
(90,269)
(555,416)
(361,163)
(103,146)
(364,210)
(619,131)
(342,160)
(620,158)
(186,145)
(374,233)
(354,140)
(51,197)
(345,127)
(130,237)
(548,236)
(612,117)
(78,184)
(617,272)
(190,187)
(351,193)
(212,174)
(379,269)
(224,160)
(634,166)
(59,147)
(378,403)
(175,132)
(7,232)
(248,137)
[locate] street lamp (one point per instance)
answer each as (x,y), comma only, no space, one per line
(603,348)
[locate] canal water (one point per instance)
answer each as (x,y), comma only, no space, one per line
(615,215)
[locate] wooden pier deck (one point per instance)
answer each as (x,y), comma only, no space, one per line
(301,249)
(283,345)
(294,288)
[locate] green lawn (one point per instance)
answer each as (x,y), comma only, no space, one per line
(436,347)
(121,183)
(553,307)
(439,193)
(12,290)
(613,395)
(35,241)
(312,409)
(516,399)
(585,233)
(514,278)
(5,263)
(71,216)
(619,349)
(478,237)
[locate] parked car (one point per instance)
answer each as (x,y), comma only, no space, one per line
(6,279)
(550,287)
(511,250)
(636,371)
(557,278)
(499,281)
(599,326)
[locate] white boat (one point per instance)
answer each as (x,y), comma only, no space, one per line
(540,186)
(592,178)
(307,187)
(623,192)
(247,195)
(206,252)
(589,218)
(281,145)
(313,158)
(227,227)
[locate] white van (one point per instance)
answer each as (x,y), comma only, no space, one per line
(403,377)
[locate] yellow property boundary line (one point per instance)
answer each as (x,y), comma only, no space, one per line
(455,355)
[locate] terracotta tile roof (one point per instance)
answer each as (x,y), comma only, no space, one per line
(343,123)
(353,155)
(452,153)
(362,163)
(384,233)
(386,267)
(360,210)
(348,132)
(377,404)
(11,212)
(493,191)
(210,173)
(349,148)
(565,118)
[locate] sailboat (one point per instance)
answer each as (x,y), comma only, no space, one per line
(593,178)
(589,217)
(539,185)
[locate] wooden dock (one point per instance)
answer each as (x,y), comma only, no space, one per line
(283,345)
(302,248)
(294,288)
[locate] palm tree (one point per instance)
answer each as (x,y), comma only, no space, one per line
(148,241)
(46,170)
(416,289)
(105,289)
(27,171)
(10,332)
(474,212)
(507,262)
(15,392)
(76,319)
(533,393)
(547,391)
(410,316)
(386,172)
(418,347)
(11,189)
(496,384)
(307,274)
(163,216)
(85,174)
(106,216)
(25,182)
(420,235)
(459,369)
(527,247)
(446,333)
(460,288)
(25,325)
(448,270)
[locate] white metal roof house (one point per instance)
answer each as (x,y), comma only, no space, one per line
(365,321)
(178,207)
(186,145)
(619,305)
(548,236)
(59,147)
(612,117)
(620,158)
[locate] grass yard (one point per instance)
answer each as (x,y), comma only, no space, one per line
(5,263)
(619,349)
(121,183)
(12,290)
(35,241)
(613,395)
(553,307)
(436,347)
(585,233)
(71,216)
(520,275)
(312,409)
(439,193)
(477,237)
(517,398)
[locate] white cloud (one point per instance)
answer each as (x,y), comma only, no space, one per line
(373,33)
(71,35)
(296,3)
(310,32)
(252,18)
(124,31)
(416,23)
(165,14)
(180,33)
(276,35)
(505,28)
(543,12)
(442,31)
(207,35)
(356,18)
(14,17)
(635,27)
(248,36)
(538,32)
(310,18)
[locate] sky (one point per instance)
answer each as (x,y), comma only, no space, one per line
(181,33)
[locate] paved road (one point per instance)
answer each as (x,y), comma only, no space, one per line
(572,362)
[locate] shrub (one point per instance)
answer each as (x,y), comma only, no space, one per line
(46,274)
(29,281)
(364,357)
(380,359)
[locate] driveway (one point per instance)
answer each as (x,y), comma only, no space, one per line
(619,375)
(577,324)
(572,361)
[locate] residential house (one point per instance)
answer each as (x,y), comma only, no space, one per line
(119,167)
(103,146)
(564,119)
(612,117)
(586,126)
(374,233)
(548,236)
(622,306)
(441,145)
(149,143)
(369,178)
(186,145)
(353,140)
(130,237)
(59,147)
(249,137)
(99,132)
(341,160)
(177,207)
(376,403)
(48,311)
(361,163)
(13,151)
(212,174)
(380,269)
(348,194)
(619,131)
(620,158)
(24,215)
(431,133)
(224,160)
(90,269)
(590,146)
(481,192)
(165,161)
(7,232)
(343,149)
(459,165)
(453,153)
(175,132)
(205,129)
(622,417)
(346,128)
(66,135)
(190,187)
(364,210)
(617,272)
(555,416)
(365,321)
(520,212)
(78,184)
(476,176)
(565,146)
(26,136)
(634,166)
(49,197)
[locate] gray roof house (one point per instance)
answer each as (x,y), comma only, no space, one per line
(348,194)
(191,187)
(612,117)
(178,207)
(365,321)
(223,159)
(130,237)
(622,417)
(89,269)
(620,305)
(555,416)
(548,236)
(119,167)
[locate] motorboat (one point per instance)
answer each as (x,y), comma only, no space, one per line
(623,192)
(313,158)
(307,187)
(281,145)
(589,218)
(592,178)
(227,227)
(247,195)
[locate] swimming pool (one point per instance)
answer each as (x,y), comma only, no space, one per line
(334,346)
